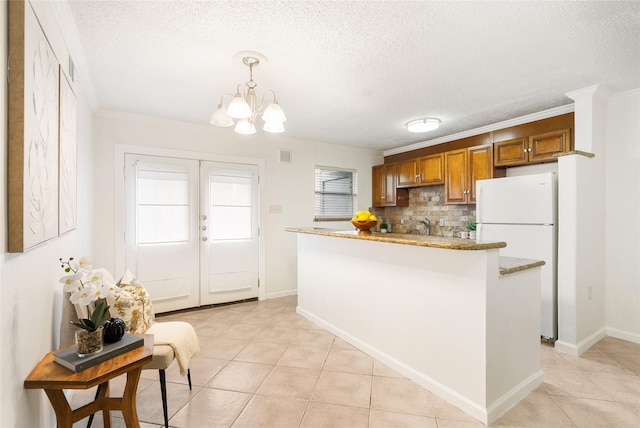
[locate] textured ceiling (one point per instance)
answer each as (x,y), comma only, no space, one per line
(353,73)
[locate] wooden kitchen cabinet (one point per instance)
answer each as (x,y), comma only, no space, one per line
(384,192)
(463,167)
(423,171)
(533,149)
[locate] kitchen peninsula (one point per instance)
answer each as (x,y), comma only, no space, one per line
(450,314)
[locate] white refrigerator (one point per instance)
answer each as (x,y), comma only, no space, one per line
(522,211)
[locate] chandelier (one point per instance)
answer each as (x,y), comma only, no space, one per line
(244,107)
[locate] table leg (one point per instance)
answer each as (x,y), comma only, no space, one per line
(64,414)
(103,393)
(129,410)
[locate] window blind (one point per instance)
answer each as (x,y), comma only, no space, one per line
(335,193)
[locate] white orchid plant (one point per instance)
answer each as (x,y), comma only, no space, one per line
(87,289)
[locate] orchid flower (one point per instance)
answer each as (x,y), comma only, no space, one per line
(71,282)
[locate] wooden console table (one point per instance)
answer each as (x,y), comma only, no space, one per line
(53,378)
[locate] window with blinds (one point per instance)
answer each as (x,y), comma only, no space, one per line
(336,193)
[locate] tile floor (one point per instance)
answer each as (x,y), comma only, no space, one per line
(262,365)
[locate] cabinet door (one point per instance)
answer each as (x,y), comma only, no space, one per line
(389,185)
(431,169)
(455,187)
(377,186)
(511,152)
(542,147)
(407,173)
(480,168)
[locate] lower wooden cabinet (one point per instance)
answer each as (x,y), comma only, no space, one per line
(533,149)
(384,191)
(463,167)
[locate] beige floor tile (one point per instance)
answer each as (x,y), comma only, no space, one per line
(291,320)
(622,388)
(552,359)
(210,328)
(241,332)
(323,415)
(149,402)
(258,318)
(400,396)
(317,338)
(612,345)
(223,349)
(261,352)
(596,361)
(241,376)
(587,413)
(630,361)
(308,357)
(277,334)
(445,410)
(536,410)
(290,382)
(212,408)
(117,421)
(381,419)
(270,412)
(380,369)
(341,344)
(229,315)
(571,383)
(448,423)
(349,361)
(203,369)
(343,388)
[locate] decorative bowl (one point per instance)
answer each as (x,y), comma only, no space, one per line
(364,226)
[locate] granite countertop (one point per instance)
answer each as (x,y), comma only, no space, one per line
(405,239)
(509,265)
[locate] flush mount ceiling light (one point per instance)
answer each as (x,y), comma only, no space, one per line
(423,125)
(244,106)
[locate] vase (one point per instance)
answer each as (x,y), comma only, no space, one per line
(88,342)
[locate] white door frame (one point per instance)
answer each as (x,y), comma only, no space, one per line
(119,208)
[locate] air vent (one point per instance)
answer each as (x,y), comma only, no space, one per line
(285,156)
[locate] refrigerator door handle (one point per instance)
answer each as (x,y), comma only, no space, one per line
(479,203)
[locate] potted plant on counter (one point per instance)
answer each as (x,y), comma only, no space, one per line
(471,227)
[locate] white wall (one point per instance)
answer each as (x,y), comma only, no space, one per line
(622,246)
(287,185)
(29,289)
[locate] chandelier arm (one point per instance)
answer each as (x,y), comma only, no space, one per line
(263,102)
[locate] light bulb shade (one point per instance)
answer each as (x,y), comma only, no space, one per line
(220,117)
(238,107)
(423,125)
(245,127)
(274,127)
(274,113)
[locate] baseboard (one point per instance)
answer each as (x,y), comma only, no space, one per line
(284,293)
(512,397)
(484,415)
(624,335)
(577,350)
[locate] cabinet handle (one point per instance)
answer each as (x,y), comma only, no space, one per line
(383,197)
(418,176)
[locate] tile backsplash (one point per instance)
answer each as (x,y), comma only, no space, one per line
(427,202)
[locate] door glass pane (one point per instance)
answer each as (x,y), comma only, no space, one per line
(162,203)
(230,209)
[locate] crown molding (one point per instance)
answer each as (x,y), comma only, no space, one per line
(556,111)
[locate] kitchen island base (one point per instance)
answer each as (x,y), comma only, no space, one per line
(444,318)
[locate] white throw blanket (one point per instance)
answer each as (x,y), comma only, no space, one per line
(181,336)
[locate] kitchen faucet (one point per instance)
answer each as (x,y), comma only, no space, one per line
(427,225)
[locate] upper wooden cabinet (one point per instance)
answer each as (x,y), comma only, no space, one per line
(532,149)
(424,171)
(384,192)
(463,167)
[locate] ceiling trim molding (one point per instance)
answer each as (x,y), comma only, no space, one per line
(556,111)
(69,31)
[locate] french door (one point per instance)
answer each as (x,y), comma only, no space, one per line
(191,230)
